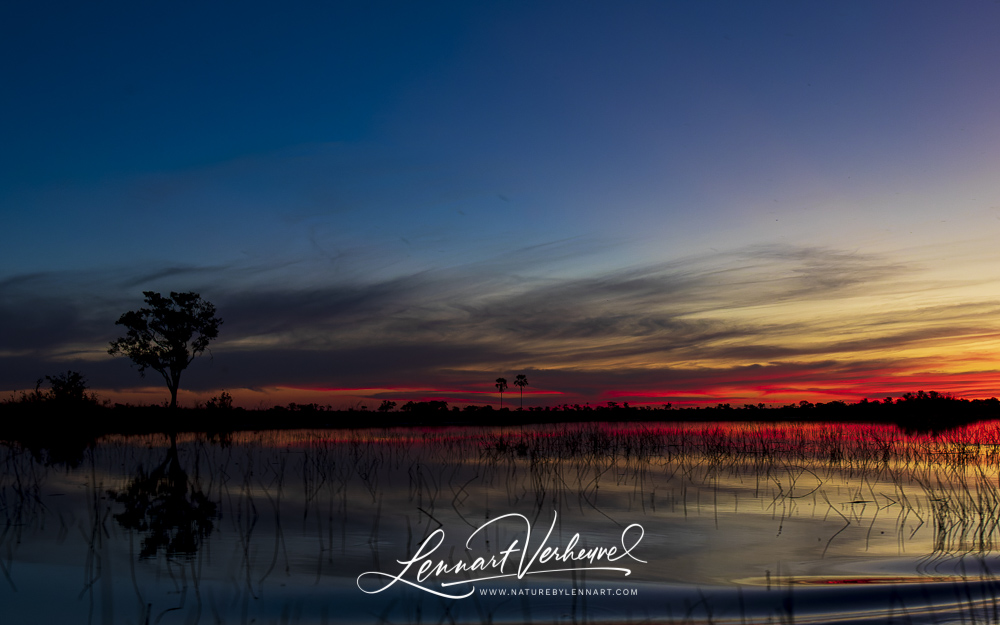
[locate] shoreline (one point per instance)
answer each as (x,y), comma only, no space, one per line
(52,421)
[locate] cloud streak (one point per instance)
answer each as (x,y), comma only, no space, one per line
(757,322)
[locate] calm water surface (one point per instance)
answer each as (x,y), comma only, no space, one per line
(608,523)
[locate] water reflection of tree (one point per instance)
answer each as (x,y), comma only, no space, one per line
(167,507)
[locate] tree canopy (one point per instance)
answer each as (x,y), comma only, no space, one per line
(167,335)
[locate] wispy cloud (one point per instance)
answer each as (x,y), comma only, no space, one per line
(754,322)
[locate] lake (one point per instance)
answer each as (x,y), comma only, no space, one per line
(590,523)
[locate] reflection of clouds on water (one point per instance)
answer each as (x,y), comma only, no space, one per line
(283,523)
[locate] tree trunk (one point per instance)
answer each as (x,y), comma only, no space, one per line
(175,382)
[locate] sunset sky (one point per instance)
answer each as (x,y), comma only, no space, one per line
(686,202)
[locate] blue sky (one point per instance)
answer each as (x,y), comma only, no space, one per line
(663,195)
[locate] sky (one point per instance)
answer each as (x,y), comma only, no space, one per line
(643,202)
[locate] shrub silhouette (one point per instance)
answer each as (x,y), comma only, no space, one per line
(69,388)
(222,401)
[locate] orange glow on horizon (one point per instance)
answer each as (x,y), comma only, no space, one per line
(977,385)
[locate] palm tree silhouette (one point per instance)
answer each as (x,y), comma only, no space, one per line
(521,381)
(501,386)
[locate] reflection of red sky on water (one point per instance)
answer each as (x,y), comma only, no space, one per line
(734,436)
(983,436)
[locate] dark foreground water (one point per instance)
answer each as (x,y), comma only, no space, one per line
(609,523)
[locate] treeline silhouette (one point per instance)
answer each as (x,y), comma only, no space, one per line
(65,418)
(169,332)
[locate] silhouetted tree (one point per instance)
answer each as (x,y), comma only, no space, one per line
(521,381)
(386,405)
(166,336)
(501,385)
